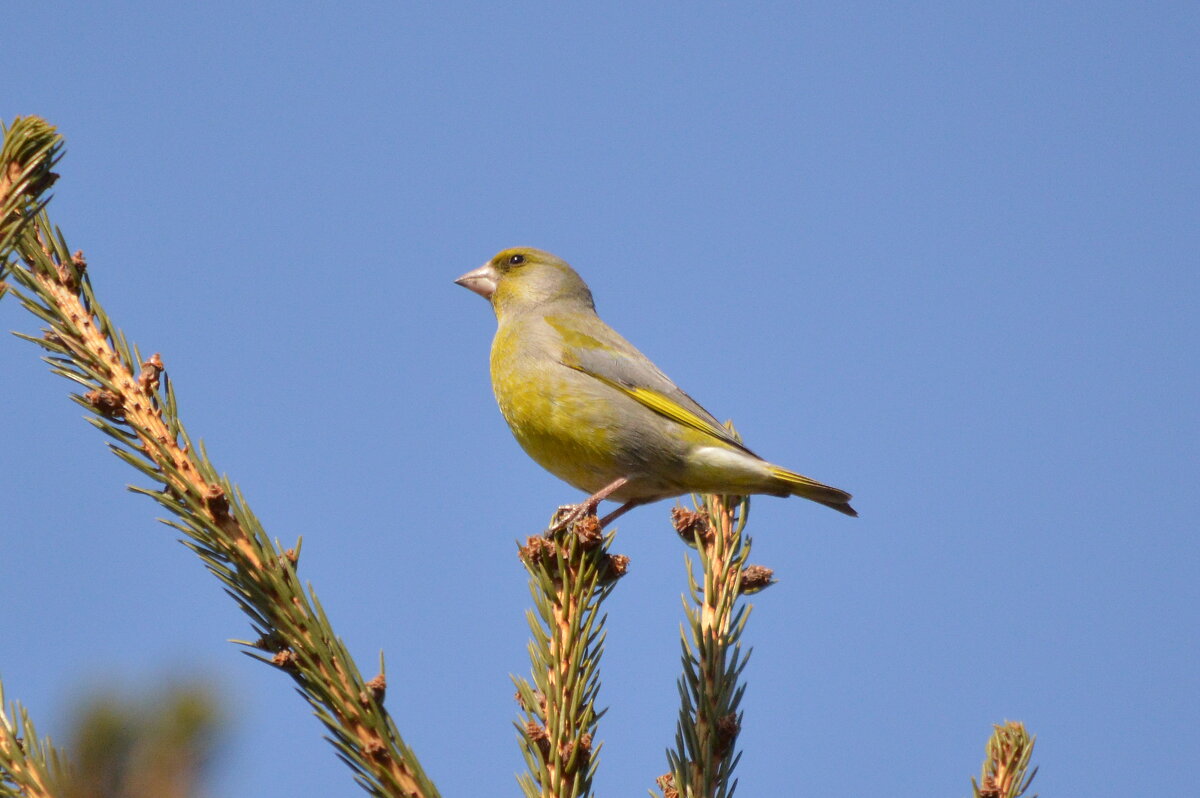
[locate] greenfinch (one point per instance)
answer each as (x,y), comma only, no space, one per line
(595,412)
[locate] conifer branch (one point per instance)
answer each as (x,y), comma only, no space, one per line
(132,401)
(570,575)
(30,766)
(704,757)
(1009,752)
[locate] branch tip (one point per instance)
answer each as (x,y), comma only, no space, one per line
(1009,751)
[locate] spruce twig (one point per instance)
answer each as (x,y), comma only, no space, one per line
(131,400)
(570,575)
(30,150)
(704,757)
(1009,752)
(29,765)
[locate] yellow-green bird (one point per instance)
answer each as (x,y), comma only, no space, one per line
(595,412)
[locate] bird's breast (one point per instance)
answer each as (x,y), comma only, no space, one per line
(558,416)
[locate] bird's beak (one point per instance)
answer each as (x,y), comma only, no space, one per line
(482,280)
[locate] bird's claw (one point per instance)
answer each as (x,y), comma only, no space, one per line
(568,514)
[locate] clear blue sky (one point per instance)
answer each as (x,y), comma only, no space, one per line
(942,255)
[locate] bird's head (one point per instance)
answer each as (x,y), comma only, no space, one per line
(521,278)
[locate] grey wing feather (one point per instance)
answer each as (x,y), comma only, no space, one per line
(619,361)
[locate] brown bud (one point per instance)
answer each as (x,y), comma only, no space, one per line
(67,276)
(615,566)
(376,690)
(537,549)
(588,531)
(691,524)
(727,732)
(540,697)
(215,501)
(376,750)
(271,642)
(151,369)
(537,734)
(106,403)
(584,747)
(755,578)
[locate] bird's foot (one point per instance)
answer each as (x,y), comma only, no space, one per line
(568,514)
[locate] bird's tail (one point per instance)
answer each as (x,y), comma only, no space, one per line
(798,485)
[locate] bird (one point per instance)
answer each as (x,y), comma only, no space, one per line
(598,414)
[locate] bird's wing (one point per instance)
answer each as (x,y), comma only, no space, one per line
(600,352)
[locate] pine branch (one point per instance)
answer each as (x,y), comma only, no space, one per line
(30,766)
(132,401)
(570,575)
(1009,752)
(704,757)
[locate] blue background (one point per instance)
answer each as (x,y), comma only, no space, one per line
(941,255)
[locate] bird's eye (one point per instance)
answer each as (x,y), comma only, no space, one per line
(516,260)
